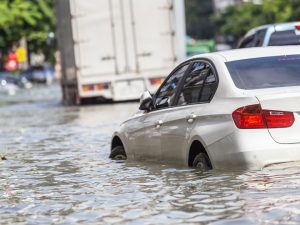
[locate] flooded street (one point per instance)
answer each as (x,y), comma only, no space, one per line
(58,172)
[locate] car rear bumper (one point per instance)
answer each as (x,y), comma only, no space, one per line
(251,149)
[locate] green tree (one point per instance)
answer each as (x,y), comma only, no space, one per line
(32,19)
(237,20)
(197,23)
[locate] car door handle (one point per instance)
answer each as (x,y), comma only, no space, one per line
(191,118)
(158,123)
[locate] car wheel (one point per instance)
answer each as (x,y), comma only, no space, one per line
(201,162)
(118,153)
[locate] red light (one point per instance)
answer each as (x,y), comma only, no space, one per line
(278,119)
(102,86)
(254,117)
(95,87)
(87,87)
(248,117)
(297,27)
(156,81)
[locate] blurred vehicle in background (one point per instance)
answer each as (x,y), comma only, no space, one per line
(194,47)
(10,83)
(114,50)
(222,47)
(272,35)
(39,74)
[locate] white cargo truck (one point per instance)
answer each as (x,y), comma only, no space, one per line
(116,49)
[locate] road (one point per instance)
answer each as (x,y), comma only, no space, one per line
(58,172)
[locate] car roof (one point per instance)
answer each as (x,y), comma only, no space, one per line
(248,53)
(276,26)
(286,26)
(253,30)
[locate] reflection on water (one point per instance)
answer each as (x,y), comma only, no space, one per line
(58,172)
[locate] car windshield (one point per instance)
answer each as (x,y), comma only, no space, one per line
(287,37)
(266,72)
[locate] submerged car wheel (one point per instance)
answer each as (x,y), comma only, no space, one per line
(201,162)
(118,153)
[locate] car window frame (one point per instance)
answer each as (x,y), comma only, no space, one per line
(178,91)
(260,38)
(188,62)
(246,40)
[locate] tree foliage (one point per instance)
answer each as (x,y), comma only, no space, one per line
(236,20)
(198,24)
(32,19)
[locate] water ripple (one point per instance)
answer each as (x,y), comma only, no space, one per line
(58,172)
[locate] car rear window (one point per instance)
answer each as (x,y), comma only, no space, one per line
(266,72)
(287,37)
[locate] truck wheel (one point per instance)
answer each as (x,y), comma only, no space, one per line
(201,162)
(118,153)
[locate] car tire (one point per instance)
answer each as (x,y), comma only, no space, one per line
(118,153)
(201,162)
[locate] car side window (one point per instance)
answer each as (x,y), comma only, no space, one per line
(199,85)
(285,37)
(248,42)
(260,36)
(254,40)
(166,93)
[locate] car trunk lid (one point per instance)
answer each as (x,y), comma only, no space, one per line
(284,102)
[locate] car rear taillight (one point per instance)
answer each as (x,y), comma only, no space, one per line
(297,27)
(254,117)
(278,119)
(248,117)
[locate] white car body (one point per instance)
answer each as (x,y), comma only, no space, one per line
(168,134)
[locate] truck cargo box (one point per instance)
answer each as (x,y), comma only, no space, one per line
(114,49)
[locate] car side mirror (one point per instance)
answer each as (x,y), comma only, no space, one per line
(146,101)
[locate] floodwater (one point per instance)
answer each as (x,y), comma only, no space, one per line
(58,172)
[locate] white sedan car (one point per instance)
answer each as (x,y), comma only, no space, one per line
(232,109)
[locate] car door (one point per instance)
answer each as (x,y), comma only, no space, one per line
(145,131)
(196,91)
(144,136)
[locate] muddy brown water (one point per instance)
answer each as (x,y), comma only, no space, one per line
(58,172)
